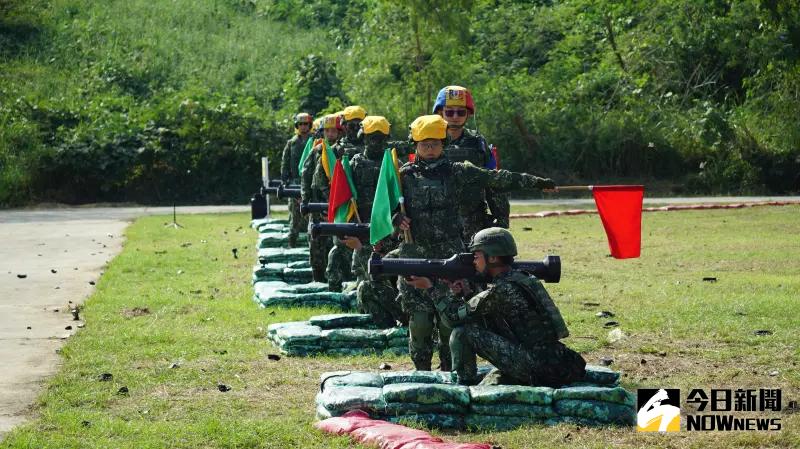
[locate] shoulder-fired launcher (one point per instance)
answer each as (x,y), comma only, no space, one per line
(458,266)
(359,230)
(313,208)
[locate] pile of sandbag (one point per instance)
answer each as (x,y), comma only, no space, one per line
(282,255)
(384,435)
(270,224)
(279,239)
(291,273)
(312,294)
(337,334)
(433,399)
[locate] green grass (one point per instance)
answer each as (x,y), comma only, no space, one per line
(204,319)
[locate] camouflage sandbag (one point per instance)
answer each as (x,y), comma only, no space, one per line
(272,227)
(338,400)
(299,334)
(616,395)
(411,408)
(426,393)
(282,255)
(310,287)
(364,336)
(352,352)
(299,264)
(399,342)
(277,239)
(297,275)
(396,332)
(423,377)
(374,345)
(262,223)
(511,394)
(607,412)
(268,272)
(339,320)
(496,422)
(601,375)
(350,379)
(330,299)
(433,420)
(519,410)
(300,350)
(265,289)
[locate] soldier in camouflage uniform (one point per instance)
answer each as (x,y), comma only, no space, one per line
(330,129)
(433,187)
(376,297)
(455,105)
(290,172)
(340,256)
(514,324)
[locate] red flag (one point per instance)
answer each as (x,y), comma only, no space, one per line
(340,192)
(620,209)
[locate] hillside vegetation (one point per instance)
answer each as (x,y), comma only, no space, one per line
(151,101)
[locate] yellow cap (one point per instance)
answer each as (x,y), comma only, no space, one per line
(354,112)
(375,123)
(428,127)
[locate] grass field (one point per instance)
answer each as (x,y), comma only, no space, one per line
(172,317)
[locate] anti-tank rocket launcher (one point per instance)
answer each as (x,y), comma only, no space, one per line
(340,230)
(457,267)
(313,208)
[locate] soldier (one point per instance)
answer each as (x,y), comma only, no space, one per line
(455,105)
(434,187)
(330,126)
(290,173)
(378,298)
(340,256)
(514,324)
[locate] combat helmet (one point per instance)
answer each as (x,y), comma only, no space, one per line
(496,242)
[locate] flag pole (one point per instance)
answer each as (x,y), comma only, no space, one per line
(570,188)
(355,209)
(407,233)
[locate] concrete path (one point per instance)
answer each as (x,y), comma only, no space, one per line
(77,242)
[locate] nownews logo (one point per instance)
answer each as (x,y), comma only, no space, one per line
(659,409)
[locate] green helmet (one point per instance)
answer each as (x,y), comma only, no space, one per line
(494,242)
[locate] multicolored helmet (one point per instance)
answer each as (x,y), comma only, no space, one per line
(302,117)
(428,127)
(454,96)
(332,121)
(375,123)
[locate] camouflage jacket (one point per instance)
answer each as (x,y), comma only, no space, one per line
(291,158)
(434,191)
(308,193)
(515,306)
(348,147)
(365,178)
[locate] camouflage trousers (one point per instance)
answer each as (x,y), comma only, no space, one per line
(340,259)
(379,299)
(421,328)
(549,365)
(318,256)
(297,223)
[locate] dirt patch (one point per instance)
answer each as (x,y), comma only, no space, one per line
(136,311)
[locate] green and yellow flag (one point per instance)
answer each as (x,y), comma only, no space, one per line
(387,198)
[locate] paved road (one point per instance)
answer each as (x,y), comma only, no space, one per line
(77,243)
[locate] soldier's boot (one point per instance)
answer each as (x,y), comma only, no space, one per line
(464,357)
(420,339)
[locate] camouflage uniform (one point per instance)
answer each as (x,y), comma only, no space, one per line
(433,191)
(508,325)
(319,247)
(379,297)
(471,146)
(290,174)
(340,257)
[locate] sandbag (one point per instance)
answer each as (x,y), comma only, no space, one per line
(495,422)
(399,342)
(278,239)
(423,377)
(306,334)
(406,408)
(377,345)
(354,335)
(268,272)
(282,255)
(433,420)
(518,410)
(511,394)
(350,378)
(350,352)
(396,332)
(426,393)
(311,287)
(617,395)
(339,320)
(341,399)
(297,275)
(607,412)
(601,375)
(299,264)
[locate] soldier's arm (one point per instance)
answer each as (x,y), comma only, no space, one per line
(499,180)
(456,311)
(286,160)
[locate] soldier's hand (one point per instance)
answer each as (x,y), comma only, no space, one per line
(419,282)
(458,287)
(353,243)
(402,222)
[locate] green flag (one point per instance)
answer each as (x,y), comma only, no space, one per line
(306,151)
(387,198)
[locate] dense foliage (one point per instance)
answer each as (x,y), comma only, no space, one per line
(135,100)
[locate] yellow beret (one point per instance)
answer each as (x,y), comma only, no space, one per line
(375,123)
(428,127)
(354,112)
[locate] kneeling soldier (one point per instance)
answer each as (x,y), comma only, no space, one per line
(514,324)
